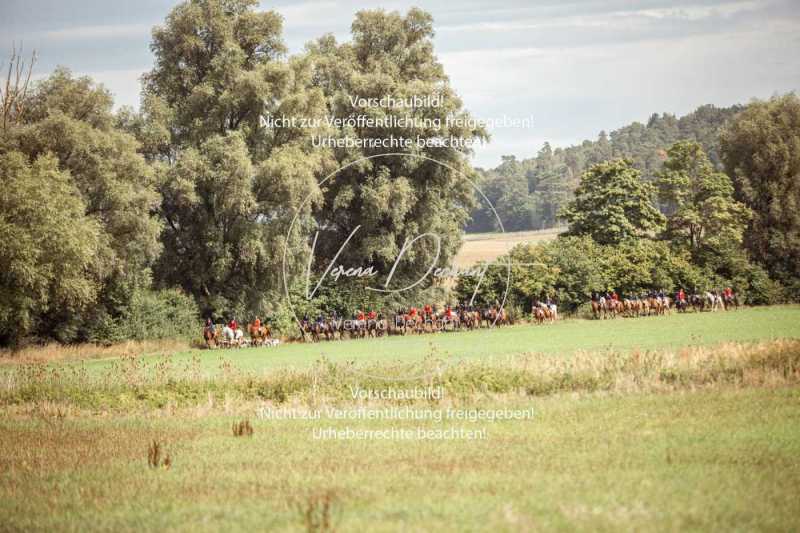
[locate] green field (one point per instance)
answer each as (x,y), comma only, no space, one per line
(562,338)
(662,423)
(718,460)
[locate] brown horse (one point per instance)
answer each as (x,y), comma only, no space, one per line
(211,336)
(259,334)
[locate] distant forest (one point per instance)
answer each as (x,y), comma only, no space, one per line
(527,194)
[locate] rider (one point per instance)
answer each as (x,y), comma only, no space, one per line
(233,325)
(257,324)
(372,315)
(210,325)
(681,295)
(360,315)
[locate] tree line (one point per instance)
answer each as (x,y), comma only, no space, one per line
(690,225)
(528,193)
(133,224)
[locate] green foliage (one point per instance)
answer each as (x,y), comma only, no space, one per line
(570,268)
(393,199)
(552,175)
(68,133)
(612,204)
(229,187)
(761,152)
(164,314)
(49,250)
(702,215)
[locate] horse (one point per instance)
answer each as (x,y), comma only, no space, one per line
(306,331)
(211,335)
(538,315)
(714,301)
(231,337)
(697,303)
(375,327)
(468,319)
(502,318)
(612,307)
(259,335)
(730,302)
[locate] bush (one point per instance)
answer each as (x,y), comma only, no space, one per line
(164,314)
(571,268)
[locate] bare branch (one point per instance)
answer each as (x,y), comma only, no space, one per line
(13,94)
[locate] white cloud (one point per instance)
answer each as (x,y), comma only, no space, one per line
(696,12)
(124,84)
(311,14)
(115,31)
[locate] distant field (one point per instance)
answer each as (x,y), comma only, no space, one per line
(488,246)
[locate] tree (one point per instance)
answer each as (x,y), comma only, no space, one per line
(612,204)
(761,152)
(702,215)
(49,259)
(393,199)
(70,119)
(229,187)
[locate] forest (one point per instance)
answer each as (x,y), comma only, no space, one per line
(528,193)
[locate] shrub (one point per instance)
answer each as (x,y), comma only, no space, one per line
(164,314)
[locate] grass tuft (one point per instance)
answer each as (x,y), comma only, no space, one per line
(242,429)
(157,457)
(316,511)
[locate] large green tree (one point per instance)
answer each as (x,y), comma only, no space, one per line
(702,215)
(761,152)
(49,253)
(229,187)
(613,204)
(68,122)
(394,198)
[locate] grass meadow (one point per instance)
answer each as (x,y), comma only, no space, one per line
(662,423)
(562,338)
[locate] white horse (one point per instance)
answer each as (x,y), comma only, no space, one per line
(228,336)
(232,337)
(714,301)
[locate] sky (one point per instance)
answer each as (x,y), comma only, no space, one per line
(575,67)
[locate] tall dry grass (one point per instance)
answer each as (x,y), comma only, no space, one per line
(133,381)
(55,352)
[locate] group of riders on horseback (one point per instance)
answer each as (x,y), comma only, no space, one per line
(610,304)
(429,318)
(231,334)
(361,324)
(426,319)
